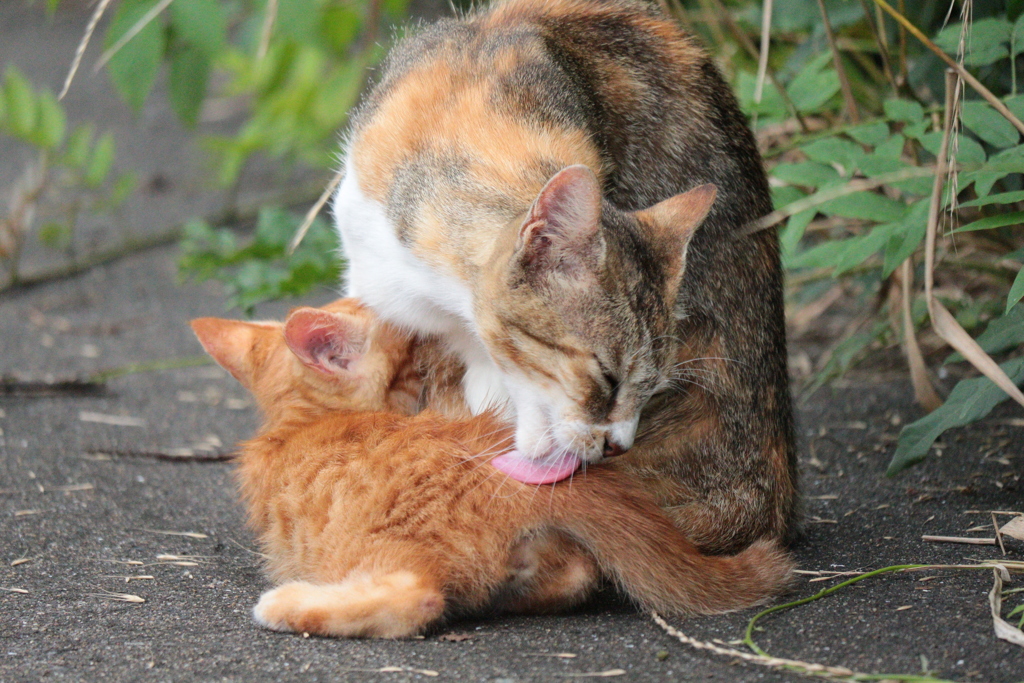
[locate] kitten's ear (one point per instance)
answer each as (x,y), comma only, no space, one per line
(229,342)
(329,343)
(673,222)
(562,227)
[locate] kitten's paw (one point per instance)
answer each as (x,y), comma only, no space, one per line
(276,609)
(395,605)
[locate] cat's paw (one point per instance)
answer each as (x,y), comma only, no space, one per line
(277,608)
(395,605)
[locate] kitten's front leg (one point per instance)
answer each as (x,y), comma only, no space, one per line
(395,605)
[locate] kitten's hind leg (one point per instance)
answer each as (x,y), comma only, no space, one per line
(394,605)
(549,573)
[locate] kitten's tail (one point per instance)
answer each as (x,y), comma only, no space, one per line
(637,545)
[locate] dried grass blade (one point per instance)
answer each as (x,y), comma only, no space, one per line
(1004,630)
(1014,528)
(766,41)
(924,392)
(267,30)
(311,215)
(82,45)
(837,61)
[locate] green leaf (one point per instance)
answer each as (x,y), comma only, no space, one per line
(985,42)
(100,162)
(819,256)
(1016,290)
(967,150)
(1002,334)
(865,205)
(846,355)
(1001,198)
(190,72)
(52,123)
(806,173)
(340,26)
(79,143)
(834,150)
(134,68)
(989,125)
(123,187)
(1016,105)
(870,133)
(860,249)
(200,23)
(298,20)
(815,85)
(1003,219)
(970,400)
(907,111)
(906,237)
(793,232)
(55,235)
(1017,37)
(771,106)
(22,108)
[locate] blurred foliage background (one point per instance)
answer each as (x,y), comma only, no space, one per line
(849,107)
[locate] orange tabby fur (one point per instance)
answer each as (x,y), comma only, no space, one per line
(379,524)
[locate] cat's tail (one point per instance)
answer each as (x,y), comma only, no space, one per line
(637,545)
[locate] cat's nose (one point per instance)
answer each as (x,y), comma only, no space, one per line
(612,449)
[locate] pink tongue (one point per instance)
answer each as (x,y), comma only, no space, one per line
(546,470)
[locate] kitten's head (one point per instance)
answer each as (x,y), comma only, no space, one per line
(577,309)
(339,357)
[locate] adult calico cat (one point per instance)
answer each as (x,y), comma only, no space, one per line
(493,177)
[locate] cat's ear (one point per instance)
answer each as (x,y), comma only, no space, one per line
(330,343)
(672,223)
(562,229)
(229,342)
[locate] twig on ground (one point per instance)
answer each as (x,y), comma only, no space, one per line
(966,540)
(12,386)
(185,455)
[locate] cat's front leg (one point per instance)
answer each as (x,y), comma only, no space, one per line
(395,605)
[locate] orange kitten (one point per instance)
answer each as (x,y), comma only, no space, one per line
(380,524)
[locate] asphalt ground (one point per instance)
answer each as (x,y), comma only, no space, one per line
(82,502)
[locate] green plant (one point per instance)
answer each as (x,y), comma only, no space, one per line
(66,175)
(854,187)
(263,269)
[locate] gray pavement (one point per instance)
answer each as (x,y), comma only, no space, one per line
(195,624)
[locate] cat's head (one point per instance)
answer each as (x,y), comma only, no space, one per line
(339,357)
(578,311)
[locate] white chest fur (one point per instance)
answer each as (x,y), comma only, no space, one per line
(388,277)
